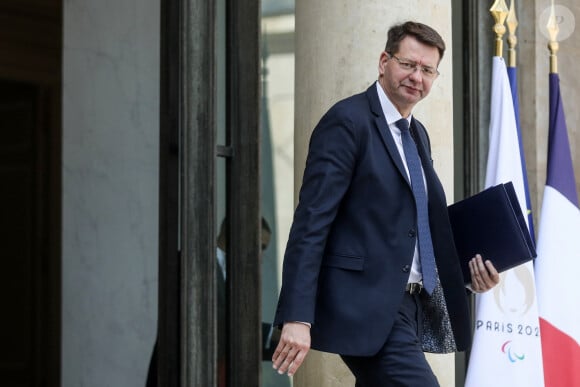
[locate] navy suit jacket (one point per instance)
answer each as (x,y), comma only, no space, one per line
(352,240)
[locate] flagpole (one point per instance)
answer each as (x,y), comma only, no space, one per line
(512,25)
(553,45)
(499,11)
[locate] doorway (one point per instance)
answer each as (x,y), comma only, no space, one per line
(30,194)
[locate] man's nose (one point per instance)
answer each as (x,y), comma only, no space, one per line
(416,75)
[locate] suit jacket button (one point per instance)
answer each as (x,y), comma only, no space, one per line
(406,268)
(412,233)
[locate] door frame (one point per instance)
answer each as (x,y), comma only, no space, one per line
(187,329)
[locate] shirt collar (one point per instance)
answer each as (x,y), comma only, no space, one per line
(390,112)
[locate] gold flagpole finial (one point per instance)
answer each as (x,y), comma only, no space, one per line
(553,45)
(512,25)
(499,11)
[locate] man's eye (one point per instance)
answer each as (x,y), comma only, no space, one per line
(407,65)
(428,70)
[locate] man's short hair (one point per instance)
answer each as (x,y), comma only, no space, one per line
(422,32)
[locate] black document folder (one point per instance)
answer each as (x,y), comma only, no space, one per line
(491,223)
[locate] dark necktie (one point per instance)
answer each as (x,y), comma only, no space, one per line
(426,254)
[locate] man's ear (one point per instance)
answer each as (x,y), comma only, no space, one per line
(383,59)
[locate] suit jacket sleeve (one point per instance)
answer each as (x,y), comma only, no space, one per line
(332,157)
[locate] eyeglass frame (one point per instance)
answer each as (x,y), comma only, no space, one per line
(412,66)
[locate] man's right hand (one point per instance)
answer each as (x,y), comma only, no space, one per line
(292,348)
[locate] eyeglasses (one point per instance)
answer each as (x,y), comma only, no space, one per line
(411,66)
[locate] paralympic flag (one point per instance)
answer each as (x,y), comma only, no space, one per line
(558,262)
(506,348)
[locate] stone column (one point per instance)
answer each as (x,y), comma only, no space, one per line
(338,43)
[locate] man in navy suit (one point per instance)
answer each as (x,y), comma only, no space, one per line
(353,275)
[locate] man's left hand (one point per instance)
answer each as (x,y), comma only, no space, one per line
(484,276)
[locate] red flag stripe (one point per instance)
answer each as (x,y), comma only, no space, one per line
(561,357)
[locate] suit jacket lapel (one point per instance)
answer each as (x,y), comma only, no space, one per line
(385,132)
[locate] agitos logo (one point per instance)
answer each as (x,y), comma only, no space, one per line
(512,355)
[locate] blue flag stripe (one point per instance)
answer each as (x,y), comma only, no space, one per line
(560,173)
(512,76)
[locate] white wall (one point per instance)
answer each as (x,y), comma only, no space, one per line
(110,190)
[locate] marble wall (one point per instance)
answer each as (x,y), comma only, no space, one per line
(110,190)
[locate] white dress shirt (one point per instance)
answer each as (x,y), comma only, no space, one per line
(392,115)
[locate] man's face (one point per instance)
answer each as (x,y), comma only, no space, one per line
(404,86)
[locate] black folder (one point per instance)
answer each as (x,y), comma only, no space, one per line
(491,223)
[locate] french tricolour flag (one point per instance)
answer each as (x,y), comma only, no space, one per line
(558,262)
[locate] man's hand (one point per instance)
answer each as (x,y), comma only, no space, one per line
(292,348)
(483,276)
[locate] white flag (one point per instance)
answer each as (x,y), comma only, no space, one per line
(506,349)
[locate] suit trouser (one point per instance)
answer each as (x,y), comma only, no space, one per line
(400,362)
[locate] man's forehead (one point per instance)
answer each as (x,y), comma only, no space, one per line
(419,52)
